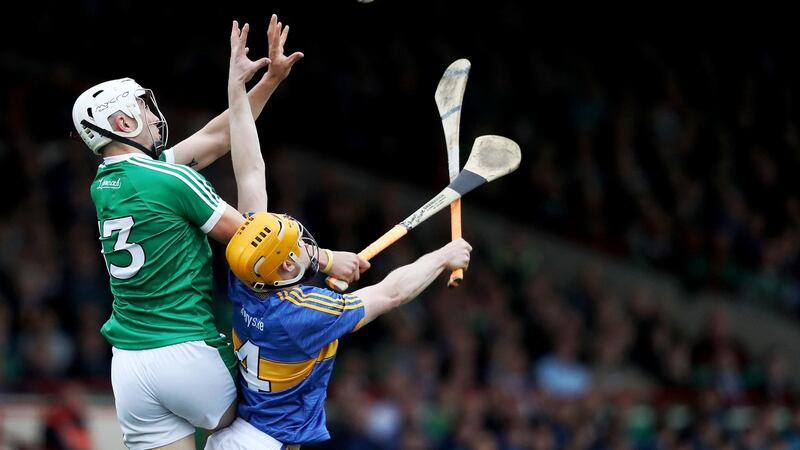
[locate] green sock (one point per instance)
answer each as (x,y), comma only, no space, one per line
(200,437)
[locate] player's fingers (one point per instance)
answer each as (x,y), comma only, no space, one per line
(245,32)
(294,57)
(284,35)
(263,62)
(272,30)
(270,27)
(234,31)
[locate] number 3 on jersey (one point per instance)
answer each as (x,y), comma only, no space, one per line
(123,225)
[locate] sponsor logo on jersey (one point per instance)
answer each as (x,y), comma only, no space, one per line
(109,184)
(251,321)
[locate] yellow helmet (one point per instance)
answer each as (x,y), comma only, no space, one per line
(262,244)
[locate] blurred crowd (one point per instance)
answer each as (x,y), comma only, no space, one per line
(555,367)
(680,157)
(688,170)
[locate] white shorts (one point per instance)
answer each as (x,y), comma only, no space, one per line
(240,435)
(162,394)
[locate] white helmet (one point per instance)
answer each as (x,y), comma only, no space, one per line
(93,108)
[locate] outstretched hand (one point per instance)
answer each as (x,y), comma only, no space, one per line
(281,64)
(242,68)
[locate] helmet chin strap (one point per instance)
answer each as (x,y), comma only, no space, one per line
(151,152)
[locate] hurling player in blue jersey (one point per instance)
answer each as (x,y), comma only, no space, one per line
(285,333)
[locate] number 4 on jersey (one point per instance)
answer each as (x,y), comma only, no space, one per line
(123,225)
(248,354)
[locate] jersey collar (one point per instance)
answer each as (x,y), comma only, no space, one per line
(124,157)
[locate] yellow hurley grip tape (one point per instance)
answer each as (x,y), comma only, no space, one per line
(455,233)
(389,238)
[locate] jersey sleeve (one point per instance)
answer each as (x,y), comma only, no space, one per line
(167,155)
(193,197)
(315,317)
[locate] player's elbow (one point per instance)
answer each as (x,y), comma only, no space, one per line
(252,183)
(254,168)
(217,139)
(394,295)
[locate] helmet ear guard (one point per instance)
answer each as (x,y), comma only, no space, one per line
(262,244)
(94,107)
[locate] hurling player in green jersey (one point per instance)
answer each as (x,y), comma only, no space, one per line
(171,368)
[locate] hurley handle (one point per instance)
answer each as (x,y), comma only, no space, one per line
(455,231)
(389,238)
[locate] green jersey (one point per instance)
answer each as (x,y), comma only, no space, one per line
(153,216)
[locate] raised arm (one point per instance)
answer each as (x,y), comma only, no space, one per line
(214,140)
(405,283)
(248,165)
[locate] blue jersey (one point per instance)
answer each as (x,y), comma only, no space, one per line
(286,342)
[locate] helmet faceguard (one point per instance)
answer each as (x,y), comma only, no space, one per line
(93,109)
(308,243)
(149,100)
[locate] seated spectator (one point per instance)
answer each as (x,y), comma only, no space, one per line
(560,373)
